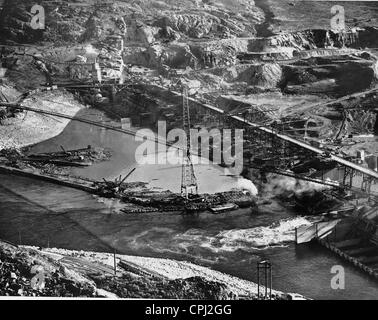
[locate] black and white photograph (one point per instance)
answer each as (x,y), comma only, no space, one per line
(214,151)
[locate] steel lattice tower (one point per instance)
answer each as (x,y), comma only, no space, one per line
(189,183)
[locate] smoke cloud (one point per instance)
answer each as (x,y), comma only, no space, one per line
(247,185)
(277,185)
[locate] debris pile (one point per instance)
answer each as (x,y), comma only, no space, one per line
(149,287)
(50,161)
(78,157)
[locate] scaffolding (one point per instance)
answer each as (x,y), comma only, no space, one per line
(264,291)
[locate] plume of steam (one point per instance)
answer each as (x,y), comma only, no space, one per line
(280,184)
(247,185)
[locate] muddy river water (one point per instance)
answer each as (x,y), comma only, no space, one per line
(39,213)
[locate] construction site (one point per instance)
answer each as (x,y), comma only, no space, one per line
(75,95)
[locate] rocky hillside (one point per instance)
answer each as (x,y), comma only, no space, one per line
(154,33)
(149,20)
(165,35)
(29,272)
(17,276)
(83,21)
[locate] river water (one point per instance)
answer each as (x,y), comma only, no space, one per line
(38,213)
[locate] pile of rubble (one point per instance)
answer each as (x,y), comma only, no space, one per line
(149,287)
(56,163)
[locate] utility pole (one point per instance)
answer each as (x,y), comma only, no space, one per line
(115,263)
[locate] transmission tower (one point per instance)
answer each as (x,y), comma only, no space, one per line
(189,183)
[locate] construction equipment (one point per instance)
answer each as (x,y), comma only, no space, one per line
(41,66)
(189,183)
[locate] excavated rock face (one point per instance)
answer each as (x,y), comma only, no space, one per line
(337,75)
(155,33)
(216,39)
(66,23)
(361,122)
(212,23)
(315,38)
(193,25)
(175,56)
(263,75)
(146,25)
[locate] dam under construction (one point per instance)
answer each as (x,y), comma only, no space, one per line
(180,148)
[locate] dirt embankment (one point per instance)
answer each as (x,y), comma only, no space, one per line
(205,282)
(28,128)
(29,271)
(18,268)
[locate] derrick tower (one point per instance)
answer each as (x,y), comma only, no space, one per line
(189,183)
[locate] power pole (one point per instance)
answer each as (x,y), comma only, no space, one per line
(189,183)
